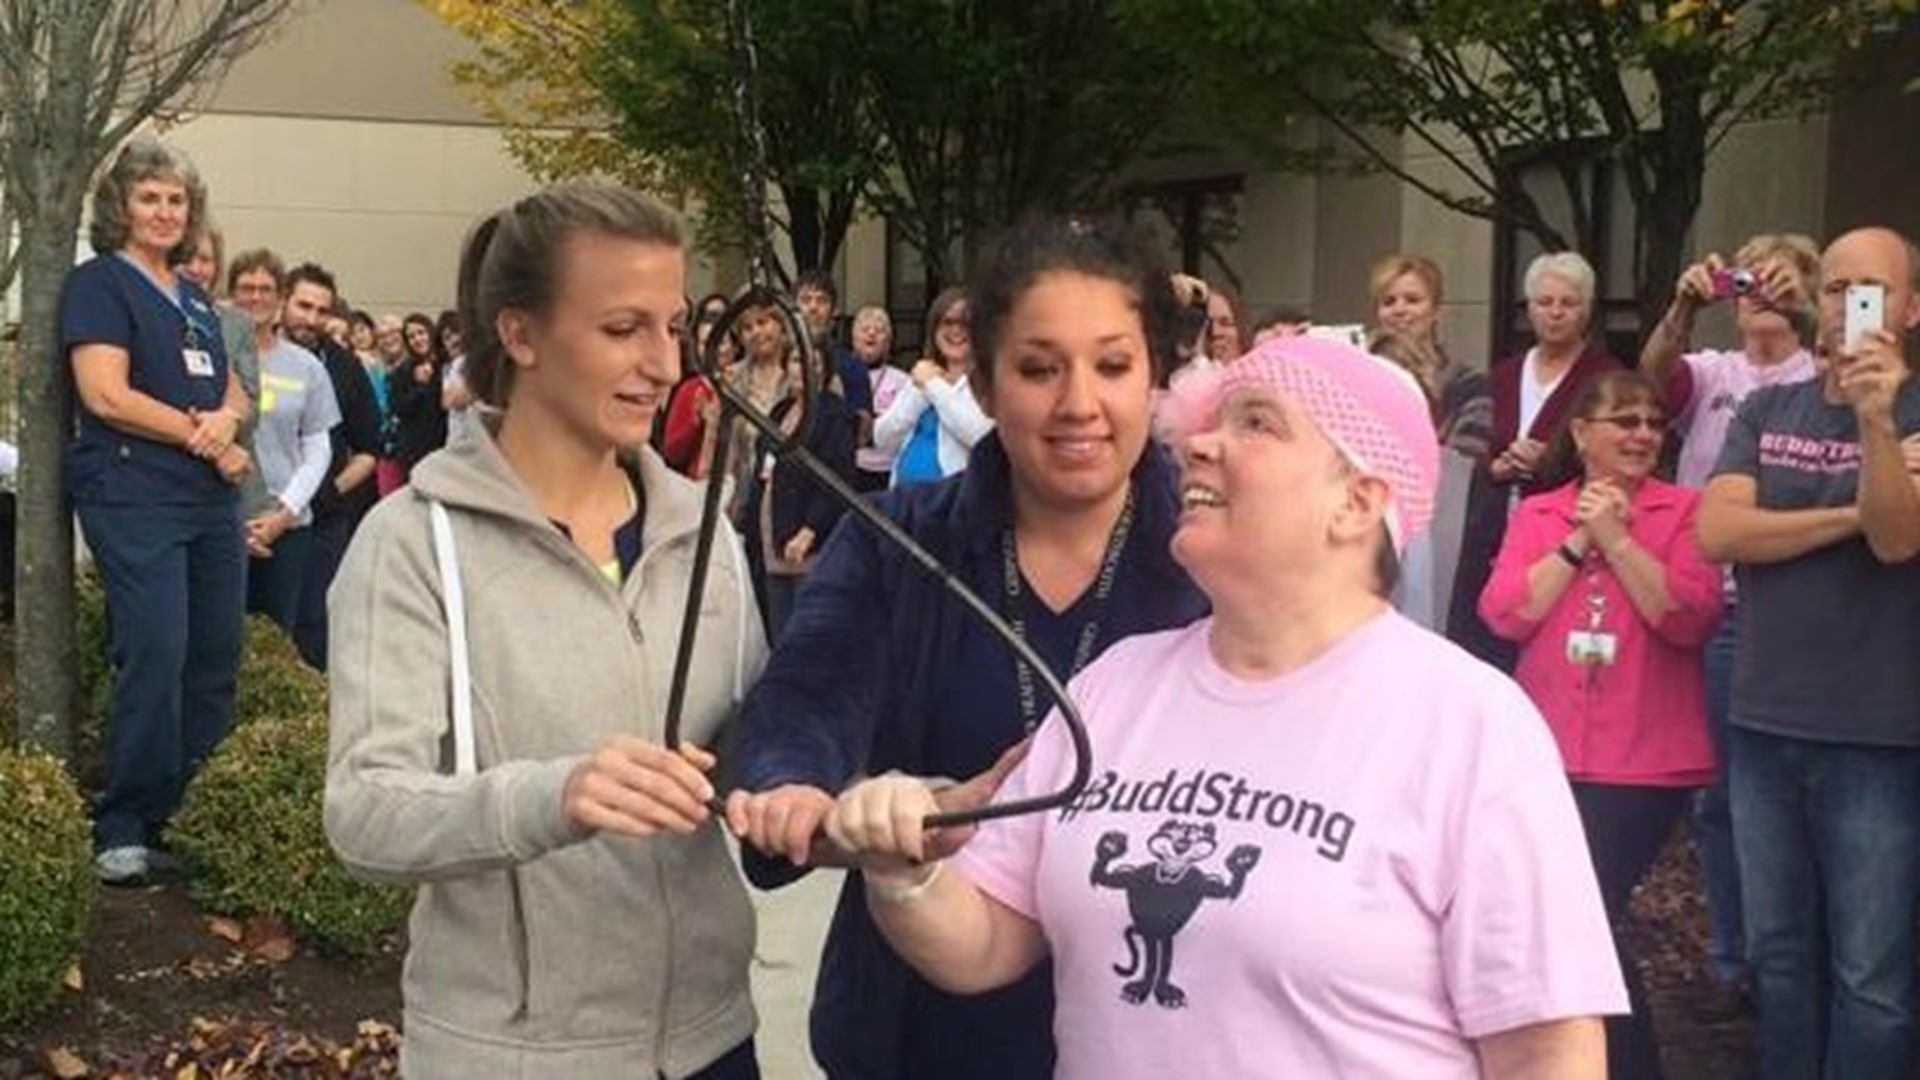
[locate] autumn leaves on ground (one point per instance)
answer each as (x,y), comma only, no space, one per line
(166,991)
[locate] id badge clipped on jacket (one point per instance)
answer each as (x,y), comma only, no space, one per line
(1593,647)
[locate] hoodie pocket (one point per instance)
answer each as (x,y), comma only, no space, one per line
(517,945)
(467,956)
(595,950)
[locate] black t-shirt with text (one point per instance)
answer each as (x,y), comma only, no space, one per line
(1829,641)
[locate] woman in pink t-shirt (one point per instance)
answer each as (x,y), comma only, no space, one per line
(1602,584)
(1318,840)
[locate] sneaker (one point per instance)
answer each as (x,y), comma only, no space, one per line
(124,865)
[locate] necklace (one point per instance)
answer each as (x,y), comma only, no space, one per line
(1089,633)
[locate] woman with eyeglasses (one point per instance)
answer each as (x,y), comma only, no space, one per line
(933,423)
(1602,584)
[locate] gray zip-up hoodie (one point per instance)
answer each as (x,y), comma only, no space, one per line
(537,951)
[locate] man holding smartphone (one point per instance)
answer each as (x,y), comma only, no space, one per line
(1813,503)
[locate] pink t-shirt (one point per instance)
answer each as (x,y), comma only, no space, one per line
(1351,870)
(1708,389)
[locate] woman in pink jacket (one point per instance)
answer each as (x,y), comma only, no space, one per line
(1602,585)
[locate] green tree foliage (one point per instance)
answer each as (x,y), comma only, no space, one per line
(951,117)
(1652,86)
(991,109)
(644,91)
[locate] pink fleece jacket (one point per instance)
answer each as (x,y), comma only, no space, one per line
(1642,719)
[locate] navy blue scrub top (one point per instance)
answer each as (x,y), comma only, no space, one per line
(175,356)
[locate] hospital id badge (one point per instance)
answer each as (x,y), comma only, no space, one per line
(1591,647)
(199,362)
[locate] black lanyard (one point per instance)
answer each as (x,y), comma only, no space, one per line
(1089,633)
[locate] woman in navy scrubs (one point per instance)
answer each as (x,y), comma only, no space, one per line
(152,471)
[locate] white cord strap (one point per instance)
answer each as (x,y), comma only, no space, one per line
(454,598)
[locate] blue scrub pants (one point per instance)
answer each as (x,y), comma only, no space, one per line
(175,579)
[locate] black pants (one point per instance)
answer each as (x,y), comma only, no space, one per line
(1626,829)
(331,535)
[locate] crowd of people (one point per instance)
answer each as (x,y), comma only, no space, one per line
(1399,673)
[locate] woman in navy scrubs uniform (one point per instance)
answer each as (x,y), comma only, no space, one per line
(152,471)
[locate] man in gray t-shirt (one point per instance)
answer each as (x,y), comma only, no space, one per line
(296,406)
(1813,503)
(292,448)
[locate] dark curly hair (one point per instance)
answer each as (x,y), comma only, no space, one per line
(1110,250)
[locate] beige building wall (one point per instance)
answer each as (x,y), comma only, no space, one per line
(345,140)
(382,204)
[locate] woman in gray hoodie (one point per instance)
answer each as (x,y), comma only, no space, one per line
(503,633)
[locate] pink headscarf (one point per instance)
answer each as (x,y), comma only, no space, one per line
(1371,410)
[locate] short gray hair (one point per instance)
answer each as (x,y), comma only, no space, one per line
(874,313)
(145,158)
(1569,265)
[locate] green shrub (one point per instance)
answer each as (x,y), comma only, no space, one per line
(46,881)
(274,681)
(96,680)
(252,838)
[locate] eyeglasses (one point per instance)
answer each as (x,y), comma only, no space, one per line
(1633,422)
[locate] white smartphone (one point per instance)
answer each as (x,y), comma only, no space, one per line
(1866,310)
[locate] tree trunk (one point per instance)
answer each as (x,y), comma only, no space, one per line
(44,646)
(803,226)
(49,174)
(1678,154)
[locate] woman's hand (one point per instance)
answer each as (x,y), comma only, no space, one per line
(267,529)
(1519,461)
(880,823)
(925,371)
(783,821)
(799,546)
(638,788)
(1602,510)
(979,791)
(234,465)
(213,433)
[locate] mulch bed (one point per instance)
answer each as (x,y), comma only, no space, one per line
(167,992)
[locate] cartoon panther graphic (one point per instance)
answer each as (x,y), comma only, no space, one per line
(1162,896)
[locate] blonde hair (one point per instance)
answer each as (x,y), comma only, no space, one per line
(1391,268)
(1797,250)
